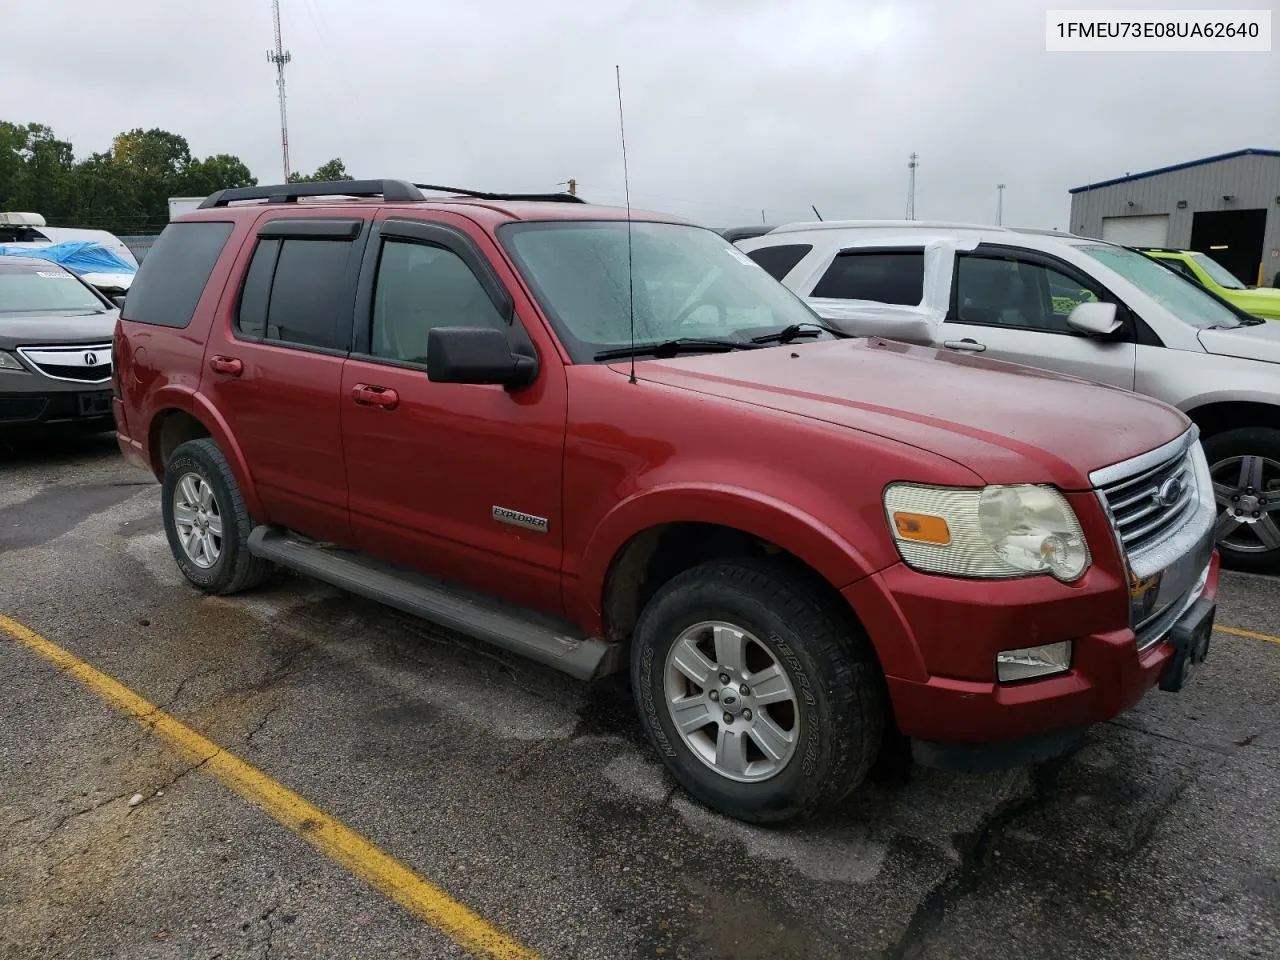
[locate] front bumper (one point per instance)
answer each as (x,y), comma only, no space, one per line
(947,693)
(86,408)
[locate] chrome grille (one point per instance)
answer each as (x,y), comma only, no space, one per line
(1148,505)
(79,363)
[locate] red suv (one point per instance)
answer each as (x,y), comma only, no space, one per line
(609,441)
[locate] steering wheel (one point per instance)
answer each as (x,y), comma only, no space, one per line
(682,318)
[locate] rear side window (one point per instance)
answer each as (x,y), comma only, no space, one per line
(296,291)
(882,276)
(781,260)
(173,275)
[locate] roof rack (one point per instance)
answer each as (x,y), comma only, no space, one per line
(485,195)
(290,192)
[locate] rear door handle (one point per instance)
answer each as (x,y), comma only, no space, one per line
(228,365)
(967,344)
(369,395)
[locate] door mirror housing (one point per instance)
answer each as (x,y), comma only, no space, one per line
(118,300)
(476,355)
(1094,319)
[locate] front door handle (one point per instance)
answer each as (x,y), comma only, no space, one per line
(228,365)
(369,395)
(968,344)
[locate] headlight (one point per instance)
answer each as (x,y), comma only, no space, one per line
(9,362)
(998,531)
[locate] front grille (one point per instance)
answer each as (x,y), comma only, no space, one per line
(1142,517)
(79,363)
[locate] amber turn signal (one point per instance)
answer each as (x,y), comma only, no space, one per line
(922,528)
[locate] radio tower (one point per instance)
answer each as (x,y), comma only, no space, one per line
(911,185)
(280,57)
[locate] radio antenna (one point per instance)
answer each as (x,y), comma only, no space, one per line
(626,183)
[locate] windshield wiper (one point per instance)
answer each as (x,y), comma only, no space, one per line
(669,348)
(809,328)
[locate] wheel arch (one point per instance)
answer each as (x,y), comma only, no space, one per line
(1218,416)
(173,425)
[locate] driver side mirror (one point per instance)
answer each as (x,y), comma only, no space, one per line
(1094,319)
(118,300)
(476,355)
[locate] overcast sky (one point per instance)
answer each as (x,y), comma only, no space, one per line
(731,105)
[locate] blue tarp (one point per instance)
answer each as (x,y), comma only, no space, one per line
(78,256)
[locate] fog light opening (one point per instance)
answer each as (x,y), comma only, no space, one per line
(1029,663)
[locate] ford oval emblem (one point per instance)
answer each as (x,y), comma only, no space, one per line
(1169,492)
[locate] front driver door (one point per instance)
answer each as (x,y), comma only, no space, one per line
(1011,304)
(460,481)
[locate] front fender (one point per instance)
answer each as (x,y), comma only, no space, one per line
(808,538)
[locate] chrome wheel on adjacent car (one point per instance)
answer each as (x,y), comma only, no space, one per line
(1247,489)
(731,701)
(198,520)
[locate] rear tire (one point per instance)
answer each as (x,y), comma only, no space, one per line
(773,759)
(206,521)
(1245,464)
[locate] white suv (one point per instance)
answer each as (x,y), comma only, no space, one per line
(1071,304)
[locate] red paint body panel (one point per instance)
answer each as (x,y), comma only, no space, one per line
(793,445)
(1108,676)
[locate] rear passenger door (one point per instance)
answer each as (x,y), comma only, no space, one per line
(460,481)
(876,292)
(273,366)
(1012,304)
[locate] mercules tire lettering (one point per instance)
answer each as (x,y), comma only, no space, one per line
(650,706)
(812,740)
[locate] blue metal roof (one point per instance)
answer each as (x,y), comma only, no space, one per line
(1249,151)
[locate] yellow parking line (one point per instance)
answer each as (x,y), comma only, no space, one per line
(331,837)
(1235,631)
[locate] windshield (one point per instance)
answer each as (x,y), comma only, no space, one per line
(688,283)
(1218,273)
(1171,290)
(38,287)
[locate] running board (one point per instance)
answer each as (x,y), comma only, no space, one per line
(517,629)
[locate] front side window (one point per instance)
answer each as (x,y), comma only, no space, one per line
(1217,272)
(685,282)
(1185,300)
(881,276)
(35,286)
(1007,292)
(419,288)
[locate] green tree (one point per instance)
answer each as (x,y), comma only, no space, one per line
(335,169)
(124,190)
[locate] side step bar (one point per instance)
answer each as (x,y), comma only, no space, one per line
(526,632)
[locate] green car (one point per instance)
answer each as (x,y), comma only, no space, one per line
(1260,301)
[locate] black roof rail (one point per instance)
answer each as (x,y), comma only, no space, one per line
(290,192)
(485,195)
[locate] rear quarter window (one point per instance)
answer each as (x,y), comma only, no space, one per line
(173,275)
(780,260)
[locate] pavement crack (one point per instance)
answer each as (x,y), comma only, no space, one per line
(1148,826)
(261,723)
(975,859)
(67,818)
(271,933)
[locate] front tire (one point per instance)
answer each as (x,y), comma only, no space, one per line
(1245,465)
(762,698)
(206,521)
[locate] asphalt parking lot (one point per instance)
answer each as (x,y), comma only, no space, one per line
(532,800)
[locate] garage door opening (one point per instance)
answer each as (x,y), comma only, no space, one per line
(1144,231)
(1233,238)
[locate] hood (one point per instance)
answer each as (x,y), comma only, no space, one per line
(1007,423)
(1262,301)
(45,329)
(1258,342)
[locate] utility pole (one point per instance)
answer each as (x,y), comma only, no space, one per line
(999,204)
(280,56)
(911,185)
(572,184)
